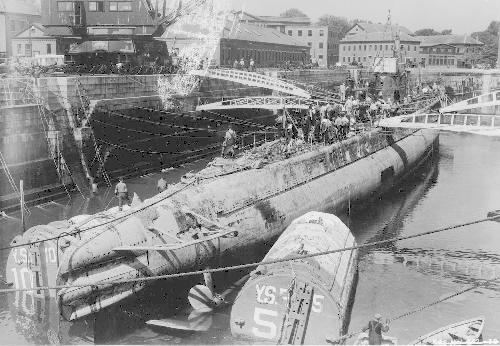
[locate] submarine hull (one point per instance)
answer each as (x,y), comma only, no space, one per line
(256,199)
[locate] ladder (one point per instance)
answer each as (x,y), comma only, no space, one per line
(38,268)
(295,321)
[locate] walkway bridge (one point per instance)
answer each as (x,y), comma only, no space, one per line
(259,102)
(475,123)
(253,79)
(483,104)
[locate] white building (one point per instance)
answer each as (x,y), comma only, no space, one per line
(33,41)
(324,45)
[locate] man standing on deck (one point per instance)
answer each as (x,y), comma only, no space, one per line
(375,329)
(162,184)
(229,142)
(342,92)
(122,193)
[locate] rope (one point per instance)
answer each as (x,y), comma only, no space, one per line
(174,135)
(247,265)
(79,231)
(421,308)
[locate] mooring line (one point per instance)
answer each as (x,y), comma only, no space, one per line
(254,264)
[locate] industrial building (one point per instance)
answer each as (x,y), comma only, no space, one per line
(267,47)
(322,41)
(448,50)
(15,16)
(364,47)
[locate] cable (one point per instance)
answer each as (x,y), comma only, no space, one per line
(174,135)
(255,264)
(158,152)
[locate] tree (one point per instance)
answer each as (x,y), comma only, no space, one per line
(427,32)
(446,32)
(293,12)
(489,52)
(339,25)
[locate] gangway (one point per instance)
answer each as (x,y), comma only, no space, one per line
(252,79)
(475,123)
(262,102)
(488,103)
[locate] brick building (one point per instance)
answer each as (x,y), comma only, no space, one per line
(268,47)
(322,41)
(15,16)
(364,47)
(126,29)
(448,50)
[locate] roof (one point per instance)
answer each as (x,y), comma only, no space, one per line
(245,16)
(242,31)
(39,26)
(273,19)
(428,41)
(28,7)
(377,27)
(377,37)
(254,33)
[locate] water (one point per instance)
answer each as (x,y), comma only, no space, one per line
(460,186)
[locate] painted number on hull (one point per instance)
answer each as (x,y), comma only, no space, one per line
(265,329)
(264,319)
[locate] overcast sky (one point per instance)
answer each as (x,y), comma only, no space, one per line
(462,16)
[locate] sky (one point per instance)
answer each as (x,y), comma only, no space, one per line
(462,16)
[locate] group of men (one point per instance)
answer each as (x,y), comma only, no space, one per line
(241,65)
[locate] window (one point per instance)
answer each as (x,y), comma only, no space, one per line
(309,32)
(320,57)
(65,6)
(370,47)
(121,6)
(375,46)
(343,48)
(349,48)
(365,47)
(309,44)
(359,59)
(343,60)
(359,47)
(364,59)
(49,48)
(321,33)
(415,48)
(96,6)
(354,47)
(299,32)
(348,59)
(321,45)
(27,49)
(386,47)
(290,33)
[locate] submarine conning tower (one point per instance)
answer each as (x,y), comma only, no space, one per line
(302,301)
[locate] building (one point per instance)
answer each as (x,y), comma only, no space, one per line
(273,22)
(268,47)
(322,41)
(15,15)
(33,41)
(449,50)
(377,27)
(120,30)
(364,47)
